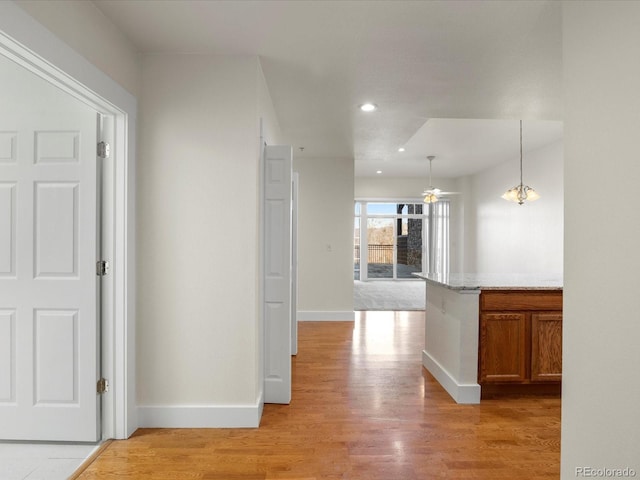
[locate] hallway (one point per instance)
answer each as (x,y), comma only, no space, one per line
(362,408)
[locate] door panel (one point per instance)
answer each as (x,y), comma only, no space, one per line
(48,253)
(7,356)
(55,354)
(7,229)
(502,347)
(56,233)
(380,247)
(277,273)
(546,347)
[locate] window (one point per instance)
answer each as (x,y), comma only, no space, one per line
(395,240)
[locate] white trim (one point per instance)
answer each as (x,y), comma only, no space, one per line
(331,316)
(295,182)
(261,340)
(107,186)
(461,393)
(31,45)
(389,199)
(200,416)
(260,403)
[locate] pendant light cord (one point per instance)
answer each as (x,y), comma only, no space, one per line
(521,192)
(521,152)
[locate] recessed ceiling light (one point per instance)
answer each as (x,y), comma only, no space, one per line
(368,107)
(378,172)
(401,149)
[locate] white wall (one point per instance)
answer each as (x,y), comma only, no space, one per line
(402,188)
(489,234)
(198,231)
(196,114)
(504,237)
(271,126)
(325,233)
(85,29)
(601,379)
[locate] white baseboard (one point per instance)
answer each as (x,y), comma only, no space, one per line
(200,416)
(461,393)
(330,316)
(260,405)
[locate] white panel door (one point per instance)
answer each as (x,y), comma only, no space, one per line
(277,273)
(48,283)
(294,265)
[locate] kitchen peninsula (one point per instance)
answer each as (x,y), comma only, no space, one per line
(492,333)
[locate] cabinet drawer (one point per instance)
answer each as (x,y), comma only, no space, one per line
(501,300)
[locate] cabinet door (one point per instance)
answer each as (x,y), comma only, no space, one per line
(502,347)
(546,347)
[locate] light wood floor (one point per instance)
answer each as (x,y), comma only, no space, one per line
(362,408)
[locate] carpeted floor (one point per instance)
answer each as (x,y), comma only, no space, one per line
(389,295)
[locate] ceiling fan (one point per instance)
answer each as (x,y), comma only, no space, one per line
(433,194)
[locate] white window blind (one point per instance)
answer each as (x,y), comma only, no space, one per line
(439,237)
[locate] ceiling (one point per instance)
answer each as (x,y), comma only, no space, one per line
(434,68)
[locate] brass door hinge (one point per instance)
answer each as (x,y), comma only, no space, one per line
(103,386)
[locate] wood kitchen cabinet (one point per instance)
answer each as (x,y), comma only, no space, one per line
(520,340)
(503,347)
(546,347)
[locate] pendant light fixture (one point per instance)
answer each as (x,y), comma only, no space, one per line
(430,194)
(521,192)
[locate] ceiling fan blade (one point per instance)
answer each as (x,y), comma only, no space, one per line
(438,192)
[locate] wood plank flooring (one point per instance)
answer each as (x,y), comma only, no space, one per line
(362,408)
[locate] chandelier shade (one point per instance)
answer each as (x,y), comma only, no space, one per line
(430,198)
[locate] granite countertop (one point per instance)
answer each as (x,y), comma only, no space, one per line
(495,281)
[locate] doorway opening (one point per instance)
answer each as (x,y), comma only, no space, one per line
(393,240)
(389,240)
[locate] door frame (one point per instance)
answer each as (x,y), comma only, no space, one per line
(295,182)
(32,46)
